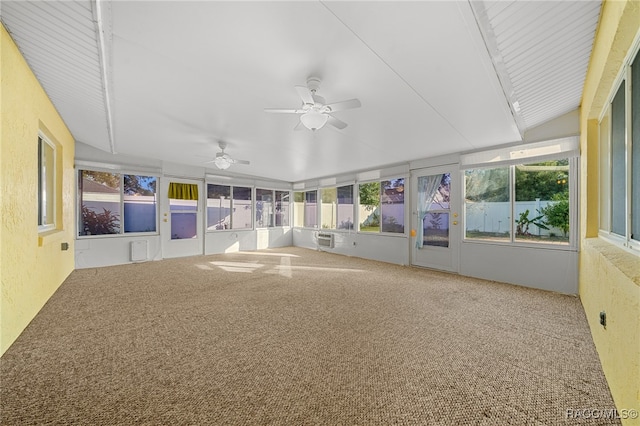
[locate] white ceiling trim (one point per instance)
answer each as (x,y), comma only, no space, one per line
(103,25)
(489,37)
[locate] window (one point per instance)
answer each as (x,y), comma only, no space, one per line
(540,208)
(345,207)
(305,209)
(228,207)
(542,202)
(282,208)
(271,213)
(241,214)
(381,206)
(337,207)
(264,208)
(218,207)
(392,205)
(620,160)
(311,209)
(487,204)
(369,201)
(46,184)
(106,198)
(618,163)
(139,203)
(328,209)
(298,209)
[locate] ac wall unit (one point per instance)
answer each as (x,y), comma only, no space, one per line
(326,240)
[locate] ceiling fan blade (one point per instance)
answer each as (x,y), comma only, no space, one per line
(241,161)
(305,94)
(283,110)
(338,124)
(299,126)
(339,106)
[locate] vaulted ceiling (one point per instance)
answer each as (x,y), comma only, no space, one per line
(167,80)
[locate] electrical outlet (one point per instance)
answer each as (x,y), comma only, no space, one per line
(603,319)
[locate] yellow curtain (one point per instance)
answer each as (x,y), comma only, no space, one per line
(183,191)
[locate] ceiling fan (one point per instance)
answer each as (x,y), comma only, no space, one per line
(315,112)
(223,160)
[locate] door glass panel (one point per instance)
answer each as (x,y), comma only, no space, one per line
(184,219)
(436,229)
(435,224)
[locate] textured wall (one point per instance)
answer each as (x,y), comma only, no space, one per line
(32,265)
(609,276)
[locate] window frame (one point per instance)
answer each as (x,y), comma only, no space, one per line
(605,184)
(121,232)
(513,241)
(252,189)
(289,204)
(304,209)
(45,225)
(271,223)
(274,202)
(337,204)
(380,225)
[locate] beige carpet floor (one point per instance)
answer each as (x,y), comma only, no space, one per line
(299,337)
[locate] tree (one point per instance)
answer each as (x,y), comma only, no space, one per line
(133,184)
(541,180)
(112,180)
(557,212)
(523,223)
(141,185)
(370,195)
(99,223)
(490,185)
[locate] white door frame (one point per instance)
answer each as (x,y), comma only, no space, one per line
(181,247)
(441,258)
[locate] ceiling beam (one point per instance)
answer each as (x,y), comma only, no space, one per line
(101,19)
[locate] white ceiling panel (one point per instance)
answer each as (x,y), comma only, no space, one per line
(184,75)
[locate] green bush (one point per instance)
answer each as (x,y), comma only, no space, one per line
(99,223)
(557,212)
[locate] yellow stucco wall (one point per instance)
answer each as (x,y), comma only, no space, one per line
(609,276)
(32,265)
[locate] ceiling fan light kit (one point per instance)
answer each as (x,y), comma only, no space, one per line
(314,120)
(223,161)
(315,112)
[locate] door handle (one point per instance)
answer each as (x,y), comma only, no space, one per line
(455,222)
